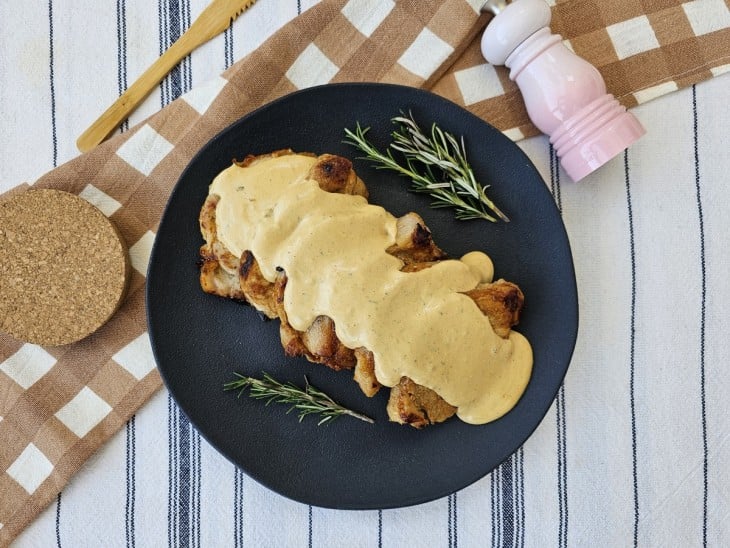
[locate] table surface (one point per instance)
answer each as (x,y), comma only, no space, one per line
(634,448)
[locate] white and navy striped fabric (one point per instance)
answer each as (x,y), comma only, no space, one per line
(632,453)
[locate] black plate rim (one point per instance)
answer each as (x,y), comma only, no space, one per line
(405,501)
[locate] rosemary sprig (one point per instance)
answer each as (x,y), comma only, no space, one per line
(307,401)
(436,165)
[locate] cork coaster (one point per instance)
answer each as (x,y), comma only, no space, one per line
(63,267)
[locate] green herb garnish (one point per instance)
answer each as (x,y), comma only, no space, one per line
(436,165)
(307,401)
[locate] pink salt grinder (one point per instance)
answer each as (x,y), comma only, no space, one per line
(565,95)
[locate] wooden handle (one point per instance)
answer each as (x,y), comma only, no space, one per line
(134,95)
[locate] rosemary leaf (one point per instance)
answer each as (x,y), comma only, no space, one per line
(436,164)
(307,401)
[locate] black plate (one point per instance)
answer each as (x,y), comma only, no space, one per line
(200,340)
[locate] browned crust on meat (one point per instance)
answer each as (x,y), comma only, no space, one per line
(416,405)
(335,174)
(501,302)
(365,372)
(259,291)
(414,243)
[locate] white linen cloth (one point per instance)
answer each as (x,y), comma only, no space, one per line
(633,451)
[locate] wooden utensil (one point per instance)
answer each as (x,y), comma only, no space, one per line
(214,19)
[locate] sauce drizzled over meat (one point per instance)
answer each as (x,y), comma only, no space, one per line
(332,247)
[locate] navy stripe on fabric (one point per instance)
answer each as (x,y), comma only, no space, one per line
(184,480)
(51,78)
(131,483)
(560,421)
(163,44)
(632,348)
(555,177)
(58,521)
(198,483)
(174,79)
(122,52)
(521,498)
(562,466)
(238,508)
(235,508)
(507,497)
(161,18)
(194,488)
(508,516)
(187,20)
(169,469)
(54,138)
(131,443)
(449,527)
(172,467)
(309,519)
(228,47)
(703,312)
(380,529)
(455,519)
(494,501)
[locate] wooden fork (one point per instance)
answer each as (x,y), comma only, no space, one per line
(214,19)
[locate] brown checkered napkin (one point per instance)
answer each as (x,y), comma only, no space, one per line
(59,405)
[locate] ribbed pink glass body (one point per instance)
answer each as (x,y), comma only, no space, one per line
(565,96)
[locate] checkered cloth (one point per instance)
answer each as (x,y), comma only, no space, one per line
(59,405)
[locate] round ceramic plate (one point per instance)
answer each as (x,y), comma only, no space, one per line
(200,340)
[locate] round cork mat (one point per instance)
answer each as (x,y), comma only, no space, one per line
(63,267)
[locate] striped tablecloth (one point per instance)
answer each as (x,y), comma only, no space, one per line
(634,449)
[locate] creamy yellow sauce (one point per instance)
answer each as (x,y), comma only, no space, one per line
(333,250)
